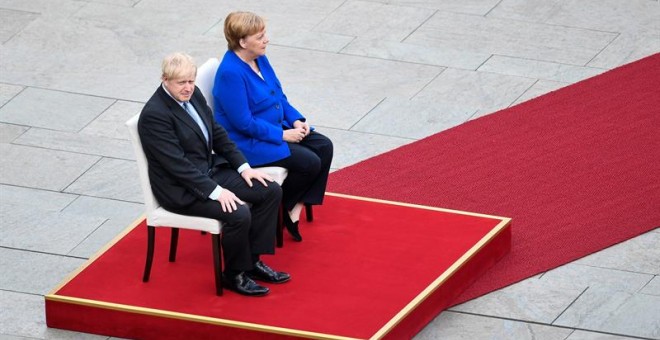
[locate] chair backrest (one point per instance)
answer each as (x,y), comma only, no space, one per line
(206,79)
(143,168)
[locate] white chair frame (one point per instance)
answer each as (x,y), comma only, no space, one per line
(157,216)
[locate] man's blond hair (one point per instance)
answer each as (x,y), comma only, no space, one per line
(177,65)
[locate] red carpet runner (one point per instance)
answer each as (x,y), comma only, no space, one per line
(577,170)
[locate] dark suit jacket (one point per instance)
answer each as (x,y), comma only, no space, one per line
(180,160)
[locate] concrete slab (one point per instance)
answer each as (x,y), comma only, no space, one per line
(585,335)
(478,7)
(582,277)
(529,300)
(626,48)
(53,110)
(111,123)
(539,88)
(538,69)
(606,15)
(344,88)
(416,119)
(13,22)
(47,231)
(319,41)
(122,74)
(117,215)
(511,38)
(40,168)
(43,200)
(76,143)
(109,178)
(428,55)
(653,287)
(386,21)
(345,142)
(45,8)
(475,90)
(9,132)
(616,312)
(8,91)
(452,325)
(23,318)
(636,23)
(33,273)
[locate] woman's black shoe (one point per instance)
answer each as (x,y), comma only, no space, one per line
(292,227)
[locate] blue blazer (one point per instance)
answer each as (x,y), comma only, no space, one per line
(254,111)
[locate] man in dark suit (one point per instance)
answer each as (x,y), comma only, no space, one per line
(195,169)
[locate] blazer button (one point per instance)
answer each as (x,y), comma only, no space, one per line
(277,106)
(272,92)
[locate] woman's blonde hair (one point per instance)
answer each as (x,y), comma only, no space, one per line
(239,25)
(178,64)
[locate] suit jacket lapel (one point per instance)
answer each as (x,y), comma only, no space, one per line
(204,117)
(181,114)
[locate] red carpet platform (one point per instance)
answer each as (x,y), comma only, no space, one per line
(368,269)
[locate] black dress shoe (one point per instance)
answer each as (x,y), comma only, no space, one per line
(244,285)
(264,273)
(292,227)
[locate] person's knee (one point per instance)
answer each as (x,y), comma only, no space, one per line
(325,149)
(328,151)
(240,217)
(314,165)
(307,162)
(274,191)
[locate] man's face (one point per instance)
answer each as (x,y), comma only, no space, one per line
(180,88)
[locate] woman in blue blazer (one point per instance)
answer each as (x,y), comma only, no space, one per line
(251,106)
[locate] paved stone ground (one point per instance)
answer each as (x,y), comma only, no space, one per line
(71,73)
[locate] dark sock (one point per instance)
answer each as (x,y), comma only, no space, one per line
(255,258)
(231,273)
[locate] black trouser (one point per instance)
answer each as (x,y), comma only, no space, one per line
(246,231)
(308,166)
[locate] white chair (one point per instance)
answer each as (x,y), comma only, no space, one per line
(157,216)
(205,80)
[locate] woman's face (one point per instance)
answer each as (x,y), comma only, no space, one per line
(255,44)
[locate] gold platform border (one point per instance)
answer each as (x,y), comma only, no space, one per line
(430,289)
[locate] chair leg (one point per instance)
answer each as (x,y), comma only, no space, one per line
(174,241)
(279,232)
(151,236)
(217,262)
(309,213)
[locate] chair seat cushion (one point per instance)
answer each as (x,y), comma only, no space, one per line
(163,218)
(278,173)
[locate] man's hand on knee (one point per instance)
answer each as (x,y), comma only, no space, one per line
(249,174)
(228,201)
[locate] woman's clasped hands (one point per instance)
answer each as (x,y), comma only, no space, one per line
(299,131)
